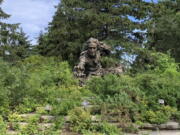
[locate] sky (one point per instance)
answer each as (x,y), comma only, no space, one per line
(33,15)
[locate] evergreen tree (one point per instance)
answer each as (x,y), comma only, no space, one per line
(3,15)
(164,33)
(119,23)
(42,41)
(14,43)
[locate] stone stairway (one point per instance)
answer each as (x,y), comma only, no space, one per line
(44,122)
(161,132)
(47,121)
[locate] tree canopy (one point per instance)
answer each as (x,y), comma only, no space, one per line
(164,30)
(14,43)
(118,23)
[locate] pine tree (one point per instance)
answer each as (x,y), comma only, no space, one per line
(14,43)
(42,41)
(164,33)
(117,22)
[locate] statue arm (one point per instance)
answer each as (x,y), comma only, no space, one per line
(104,49)
(80,68)
(82,61)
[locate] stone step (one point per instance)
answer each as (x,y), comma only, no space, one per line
(170,125)
(47,118)
(94,118)
(160,132)
(143,132)
(28,116)
(42,118)
(21,125)
(12,132)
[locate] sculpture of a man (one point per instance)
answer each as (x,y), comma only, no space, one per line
(90,58)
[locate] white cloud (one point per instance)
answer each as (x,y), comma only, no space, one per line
(34,15)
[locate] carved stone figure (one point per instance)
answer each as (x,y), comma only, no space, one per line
(90,59)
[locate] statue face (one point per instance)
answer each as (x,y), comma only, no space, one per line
(92,48)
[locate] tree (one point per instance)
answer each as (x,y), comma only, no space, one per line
(164,33)
(14,43)
(42,42)
(117,22)
(3,15)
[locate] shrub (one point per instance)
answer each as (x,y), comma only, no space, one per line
(37,81)
(164,86)
(4,92)
(153,61)
(118,95)
(66,99)
(108,62)
(134,95)
(3,126)
(80,120)
(162,115)
(110,84)
(108,129)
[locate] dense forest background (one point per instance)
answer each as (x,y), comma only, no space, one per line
(144,37)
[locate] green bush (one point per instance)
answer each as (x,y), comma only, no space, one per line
(135,94)
(3,126)
(4,91)
(153,61)
(38,81)
(118,95)
(80,120)
(66,99)
(107,129)
(110,84)
(35,81)
(160,83)
(162,115)
(108,62)
(164,86)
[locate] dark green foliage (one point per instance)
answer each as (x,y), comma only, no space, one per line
(163,31)
(108,129)
(151,60)
(161,86)
(4,108)
(161,80)
(111,85)
(137,97)
(42,44)
(36,81)
(80,121)
(118,96)
(66,99)
(158,116)
(3,126)
(3,15)
(108,62)
(14,44)
(110,21)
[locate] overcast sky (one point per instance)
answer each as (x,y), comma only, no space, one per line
(34,15)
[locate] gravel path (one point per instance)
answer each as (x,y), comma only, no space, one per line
(162,132)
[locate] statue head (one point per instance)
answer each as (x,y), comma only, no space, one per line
(92,46)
